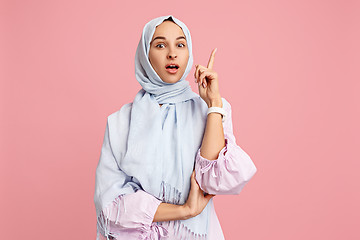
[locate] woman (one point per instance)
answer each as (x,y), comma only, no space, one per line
(162,151)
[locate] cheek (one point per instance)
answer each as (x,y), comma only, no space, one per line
(153,58)
(185,59)
(186,56)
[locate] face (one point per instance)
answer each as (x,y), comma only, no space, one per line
(169,46)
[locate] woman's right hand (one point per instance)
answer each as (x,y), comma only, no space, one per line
(196,201)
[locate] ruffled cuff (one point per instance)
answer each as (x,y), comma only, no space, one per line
(131,216)
(226,175)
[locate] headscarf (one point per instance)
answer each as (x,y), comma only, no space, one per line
(162,142)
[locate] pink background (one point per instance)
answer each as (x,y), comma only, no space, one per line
(290,70)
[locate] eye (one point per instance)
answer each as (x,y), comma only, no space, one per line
(159,44)
(182,44)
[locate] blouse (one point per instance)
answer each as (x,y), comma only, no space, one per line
(131,215)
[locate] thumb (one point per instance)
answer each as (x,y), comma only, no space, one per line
(192,179)
(193,175)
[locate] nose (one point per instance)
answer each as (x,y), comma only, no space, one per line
(172,54)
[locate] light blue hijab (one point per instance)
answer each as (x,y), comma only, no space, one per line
(162,141)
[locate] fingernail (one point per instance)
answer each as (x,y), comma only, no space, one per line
(203,85)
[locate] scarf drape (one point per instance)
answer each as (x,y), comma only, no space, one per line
(162,141)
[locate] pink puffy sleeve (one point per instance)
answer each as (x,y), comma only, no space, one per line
(131,217)
(233,168)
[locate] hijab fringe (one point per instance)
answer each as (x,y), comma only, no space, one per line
(176,227)
(103,222)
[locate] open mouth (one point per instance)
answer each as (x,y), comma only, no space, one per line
(172,66)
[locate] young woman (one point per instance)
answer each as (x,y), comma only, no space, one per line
(170,151)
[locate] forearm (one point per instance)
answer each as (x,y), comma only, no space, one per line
(169,212)
(213,140)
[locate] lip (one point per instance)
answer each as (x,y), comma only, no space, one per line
(172,64)
(172,70)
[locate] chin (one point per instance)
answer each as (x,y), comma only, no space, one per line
(172,79)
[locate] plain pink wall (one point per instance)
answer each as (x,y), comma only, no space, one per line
(290,70)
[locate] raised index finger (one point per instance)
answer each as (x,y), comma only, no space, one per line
(211,60)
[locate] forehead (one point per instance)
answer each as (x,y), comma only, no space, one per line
(168,29)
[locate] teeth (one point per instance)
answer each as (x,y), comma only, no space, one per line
(172,66)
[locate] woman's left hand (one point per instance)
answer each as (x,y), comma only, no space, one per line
(196,201)
(208,83)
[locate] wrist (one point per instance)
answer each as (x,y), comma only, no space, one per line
(185,211)
(215,103)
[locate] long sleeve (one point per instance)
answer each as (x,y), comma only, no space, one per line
(132,216)
(124,210)
(233,168)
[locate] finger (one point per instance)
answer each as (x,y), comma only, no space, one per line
(212,59)
(193,182)
(202,77)
(198,69)
(201,84)
(195,73)
(192,176)
(202,74)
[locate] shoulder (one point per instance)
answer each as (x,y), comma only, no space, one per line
(118,126)
(119,121)
(123,113)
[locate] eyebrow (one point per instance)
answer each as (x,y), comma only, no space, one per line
(160,37)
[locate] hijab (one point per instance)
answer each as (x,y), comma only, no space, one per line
(159,154)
